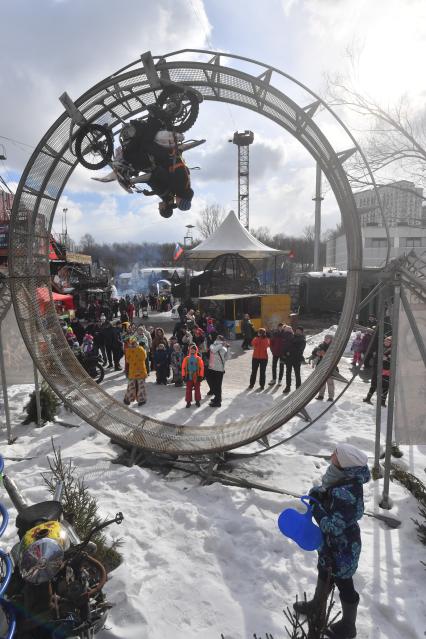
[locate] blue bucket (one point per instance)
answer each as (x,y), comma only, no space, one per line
(300,527)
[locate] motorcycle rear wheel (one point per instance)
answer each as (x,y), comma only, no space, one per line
(94,146)
(179,109)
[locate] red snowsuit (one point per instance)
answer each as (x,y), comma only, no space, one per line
(193,379)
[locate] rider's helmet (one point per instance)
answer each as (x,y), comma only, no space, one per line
(168,139)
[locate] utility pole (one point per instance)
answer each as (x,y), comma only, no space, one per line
(188,240)
(317,234)
(243,141)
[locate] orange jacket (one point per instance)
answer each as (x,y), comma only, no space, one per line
(260,346)
(199,373)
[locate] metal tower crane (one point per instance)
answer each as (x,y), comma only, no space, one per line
(243,141)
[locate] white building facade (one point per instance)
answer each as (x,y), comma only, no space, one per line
(405,215)
(402,203)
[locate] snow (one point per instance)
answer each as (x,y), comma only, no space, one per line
(204,560)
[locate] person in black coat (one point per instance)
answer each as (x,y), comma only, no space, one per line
(117,345)
(78,329)
(295,358)
(247,330)
(108,338)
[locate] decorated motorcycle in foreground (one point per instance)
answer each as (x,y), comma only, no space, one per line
(55,589)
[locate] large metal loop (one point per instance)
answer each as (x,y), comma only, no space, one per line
(110,102)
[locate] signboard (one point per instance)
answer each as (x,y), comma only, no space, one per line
(79,258)
(275,309)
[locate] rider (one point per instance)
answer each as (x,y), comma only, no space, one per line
(148,147)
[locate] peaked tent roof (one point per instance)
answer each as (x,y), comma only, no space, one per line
(232,237)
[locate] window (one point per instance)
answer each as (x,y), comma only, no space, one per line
(412,242)
(377,242)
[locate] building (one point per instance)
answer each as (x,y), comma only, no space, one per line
(403,239)
(6,203)
(406,218)
(402,203)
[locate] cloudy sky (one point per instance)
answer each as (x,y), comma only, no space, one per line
(51,46)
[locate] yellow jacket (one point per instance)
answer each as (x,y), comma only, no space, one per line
(135,359)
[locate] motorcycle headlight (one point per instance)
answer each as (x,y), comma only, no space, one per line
(41,552)
(41,561)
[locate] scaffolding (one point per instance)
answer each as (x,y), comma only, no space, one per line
(243,141)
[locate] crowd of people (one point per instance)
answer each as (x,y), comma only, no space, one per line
(197,351)
(126,307)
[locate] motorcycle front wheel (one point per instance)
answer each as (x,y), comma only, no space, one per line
(179,108)
(94,146)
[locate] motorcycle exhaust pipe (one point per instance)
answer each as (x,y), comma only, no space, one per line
(15,496)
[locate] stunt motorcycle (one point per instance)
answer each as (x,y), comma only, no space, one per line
(53,585)
(177,109)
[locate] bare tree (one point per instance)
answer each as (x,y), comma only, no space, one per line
(210,218)
(87,242)
(263,235)
(394,138)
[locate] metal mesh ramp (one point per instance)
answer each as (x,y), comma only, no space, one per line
(110,102)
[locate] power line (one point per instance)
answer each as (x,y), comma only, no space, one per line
(17,142)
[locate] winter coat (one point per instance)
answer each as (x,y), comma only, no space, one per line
(357,345)
(176,359)
(107,333)
(247,329)
(277,340)
(198,375)
(156,340)
(365,341)
(287,345)
(161,359)
(135,361)
(341,507)
(297,346)
(218,356)
(260,347)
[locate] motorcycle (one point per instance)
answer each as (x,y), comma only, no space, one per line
(176,108)
(92,365)
(55,591)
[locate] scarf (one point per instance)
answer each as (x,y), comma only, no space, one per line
(332,476)
(192,365)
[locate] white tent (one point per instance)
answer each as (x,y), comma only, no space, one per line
(232,237)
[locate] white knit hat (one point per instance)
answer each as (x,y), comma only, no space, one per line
(349,455)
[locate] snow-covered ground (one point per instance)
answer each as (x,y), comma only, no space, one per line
(204,560)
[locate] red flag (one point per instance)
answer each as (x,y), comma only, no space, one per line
(178,251)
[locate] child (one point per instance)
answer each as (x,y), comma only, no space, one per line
(135,358)
(192,373)
(87,345)
(161,364)
(319,353)
(357,349)
(176,360)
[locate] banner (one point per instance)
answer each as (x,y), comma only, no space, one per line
(410,382)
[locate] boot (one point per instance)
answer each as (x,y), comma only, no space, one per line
(345,628)
(367,399)
(322,591)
